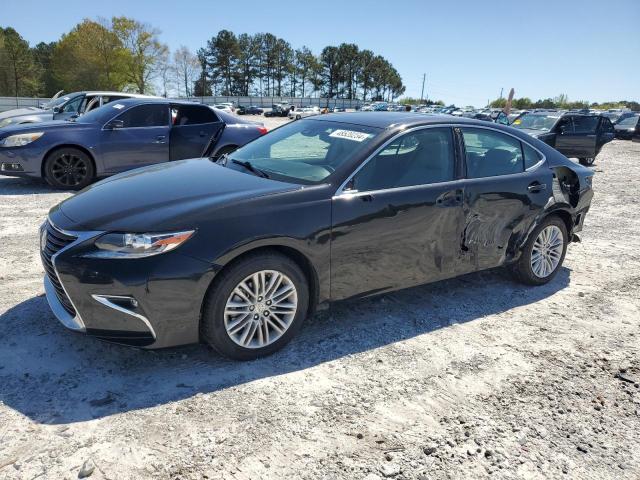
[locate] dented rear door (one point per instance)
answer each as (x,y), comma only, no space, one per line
(501,200)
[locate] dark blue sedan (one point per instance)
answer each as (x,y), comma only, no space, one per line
(120,136)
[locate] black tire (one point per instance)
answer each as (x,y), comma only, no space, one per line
(212,324)
(522,270)
(69,169)
(587,161)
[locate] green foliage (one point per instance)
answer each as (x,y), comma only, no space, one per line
(562,102)
(19,73)
(144,54)
(263,64)
(89,57)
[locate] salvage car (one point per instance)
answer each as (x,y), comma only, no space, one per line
(119,136)
(626,127)
(65,107)
(237,253)
(250,110)
(572,134)
(303,112)
(278,110)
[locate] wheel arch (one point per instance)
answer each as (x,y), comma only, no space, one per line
(295,254)
(69,145)
(561,211)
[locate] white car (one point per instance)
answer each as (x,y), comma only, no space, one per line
(303,112)
(225,107)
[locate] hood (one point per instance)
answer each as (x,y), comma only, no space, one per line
(16,112)
(533,132)
(39,126)
(162,197)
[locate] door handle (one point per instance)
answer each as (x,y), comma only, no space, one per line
(366,198)
(160,139)
(537,187)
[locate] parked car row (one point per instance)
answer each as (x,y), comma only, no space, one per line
(63,107)
(121,135)
(576,135)
(303,112)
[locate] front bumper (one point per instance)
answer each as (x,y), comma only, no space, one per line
(152,302)
(21,161)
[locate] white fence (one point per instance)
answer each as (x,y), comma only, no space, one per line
(8,103)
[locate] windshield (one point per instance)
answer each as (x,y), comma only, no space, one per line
(629,121)
(535,122)
(56,103)
(101,114)
(306,151)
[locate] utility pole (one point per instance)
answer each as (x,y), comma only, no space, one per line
(424,77)
(501,89)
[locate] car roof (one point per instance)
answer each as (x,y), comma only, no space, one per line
(393,119)
(136,100)
(105,92)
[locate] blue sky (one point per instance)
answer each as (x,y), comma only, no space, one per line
(588,49)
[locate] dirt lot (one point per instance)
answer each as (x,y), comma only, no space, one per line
(470,378)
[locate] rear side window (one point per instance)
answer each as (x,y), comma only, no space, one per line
(192,115)
(490,153)
(531,156)
(146,116)
(417,158)
(607,127)
(585,124)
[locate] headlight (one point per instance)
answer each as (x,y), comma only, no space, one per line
(137,245)
(5,122)
(20,139)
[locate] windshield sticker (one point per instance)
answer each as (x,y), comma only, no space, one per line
(118,106)
(517,122)
(350,135)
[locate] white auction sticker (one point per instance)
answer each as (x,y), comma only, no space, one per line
(118,106)
(350,135)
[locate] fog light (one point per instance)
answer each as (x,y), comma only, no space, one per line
(11,167)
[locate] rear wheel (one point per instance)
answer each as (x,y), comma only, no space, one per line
(587,161)
(68,169)
(543,253)
(255,307)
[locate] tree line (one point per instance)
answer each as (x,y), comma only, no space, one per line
(124,54)
(562,102)
(264,65)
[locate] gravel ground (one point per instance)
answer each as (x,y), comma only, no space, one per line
(469,378)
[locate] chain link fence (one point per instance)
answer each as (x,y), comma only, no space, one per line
(8,103)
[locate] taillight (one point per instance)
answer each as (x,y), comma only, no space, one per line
(262,130)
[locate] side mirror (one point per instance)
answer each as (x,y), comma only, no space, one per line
(114,125)
(56,110)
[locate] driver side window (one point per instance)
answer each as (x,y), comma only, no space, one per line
(73,105)
(418,158)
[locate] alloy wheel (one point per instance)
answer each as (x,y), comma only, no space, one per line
(69,169)
(260,309)
(547,251)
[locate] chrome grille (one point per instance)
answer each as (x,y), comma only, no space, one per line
(55,241)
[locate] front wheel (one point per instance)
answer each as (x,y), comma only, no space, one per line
(255,307)
(68,169)
(543,253)
(587,161)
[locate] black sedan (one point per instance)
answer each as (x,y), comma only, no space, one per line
(238,252)
(626,127)
(575,135)
(250,110)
